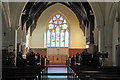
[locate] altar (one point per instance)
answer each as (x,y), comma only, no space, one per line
(57,56)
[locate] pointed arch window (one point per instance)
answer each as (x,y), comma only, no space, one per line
(48,38)
(62,38)
(58,32)
(53,38)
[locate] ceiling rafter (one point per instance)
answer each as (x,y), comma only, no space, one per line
(35,9)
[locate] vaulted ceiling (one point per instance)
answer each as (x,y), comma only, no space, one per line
(33,10)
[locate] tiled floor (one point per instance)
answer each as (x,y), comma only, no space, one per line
(57,70)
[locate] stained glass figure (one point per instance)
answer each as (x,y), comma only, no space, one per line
(57,36)
(66,38)
(48,38)
(53,39)
(62,39)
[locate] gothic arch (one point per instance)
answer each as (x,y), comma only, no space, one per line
(57,30)
(72,19)
(98,14)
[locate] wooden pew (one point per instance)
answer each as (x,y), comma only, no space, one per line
(108,73)
(28,73)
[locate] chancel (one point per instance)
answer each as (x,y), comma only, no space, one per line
(60,40)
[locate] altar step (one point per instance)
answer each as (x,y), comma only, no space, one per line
(57,65)
(57,74)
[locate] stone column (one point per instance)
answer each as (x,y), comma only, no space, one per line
(101,38)
(105,47)
(119,21)
(108,61)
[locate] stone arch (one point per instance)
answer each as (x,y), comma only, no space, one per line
(109,35)
(109,26)
(98,14)
(74,24)
(60,26)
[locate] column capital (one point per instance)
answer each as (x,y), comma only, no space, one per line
(99,27)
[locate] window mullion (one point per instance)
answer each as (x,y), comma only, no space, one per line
(63,34)
(59,36)
(50,37)
(64,38)
(55,37)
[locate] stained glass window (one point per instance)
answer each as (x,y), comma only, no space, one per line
(58,16)
(54,18)
(57,36)
(64,21)
(53,38)
(61,18)
(48,38)
(58,32)
(66,38)
(62,38)
(60,22)
(51,21)
(51,26)
(55,22)
(64,26)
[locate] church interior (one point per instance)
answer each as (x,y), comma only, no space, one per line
(60,40)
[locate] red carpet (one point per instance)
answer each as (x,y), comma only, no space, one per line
(57,65)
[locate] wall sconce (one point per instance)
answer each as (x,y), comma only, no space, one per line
(87,45)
